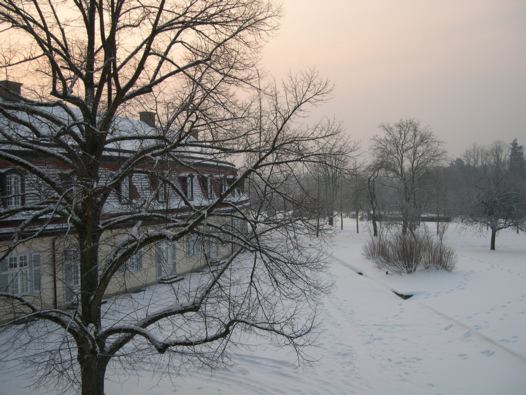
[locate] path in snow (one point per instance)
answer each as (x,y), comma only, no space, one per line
(452,320)
(433,337)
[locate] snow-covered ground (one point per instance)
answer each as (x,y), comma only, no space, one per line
(462,332)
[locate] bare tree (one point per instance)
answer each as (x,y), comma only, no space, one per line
(492,194)
(373,171)
(406,151)
(104,60)
(331,175)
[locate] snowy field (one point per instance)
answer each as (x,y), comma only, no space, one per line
(462,332)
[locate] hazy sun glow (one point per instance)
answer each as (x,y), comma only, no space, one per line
(458,66)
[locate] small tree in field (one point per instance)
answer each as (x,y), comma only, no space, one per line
(405,151)
(494,194)
(372,173)
(98,60)
(329,177)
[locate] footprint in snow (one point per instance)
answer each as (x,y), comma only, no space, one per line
(488,353)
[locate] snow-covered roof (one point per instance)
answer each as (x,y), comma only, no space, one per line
(50,120)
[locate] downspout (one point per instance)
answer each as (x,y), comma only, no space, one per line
(54,267)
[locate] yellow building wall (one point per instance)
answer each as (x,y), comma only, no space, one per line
(53,287)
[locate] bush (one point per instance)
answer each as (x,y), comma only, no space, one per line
(405,253)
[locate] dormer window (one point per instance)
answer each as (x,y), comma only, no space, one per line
(13,183)
(159,188)
(187,186)
(205,182)
(162,193)
(127,191)
(12,189)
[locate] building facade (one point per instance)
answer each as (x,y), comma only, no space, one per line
(45,268)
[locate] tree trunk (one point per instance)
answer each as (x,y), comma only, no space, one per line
(375,226)
(341,203)
(92,372)
(357,222)
(438,220)
(318,209)
(493,237)
(404,226)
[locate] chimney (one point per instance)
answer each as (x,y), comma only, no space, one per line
(10,90)
(148,117)
(195,134)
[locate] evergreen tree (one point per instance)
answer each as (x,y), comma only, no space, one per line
(517,167)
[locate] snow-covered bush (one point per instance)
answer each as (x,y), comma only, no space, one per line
(407,252)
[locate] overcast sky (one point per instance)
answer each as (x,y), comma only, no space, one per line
(459,66)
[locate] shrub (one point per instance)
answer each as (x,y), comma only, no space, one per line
(405,253)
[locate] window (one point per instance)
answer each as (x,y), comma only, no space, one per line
(213,248)
(20,274)
(133,264)
(162,193)
(190,187)
(159,187)
(124,190)
(165,258)
(241,188)
(127,192)
(241,225)
(71,275)
(209,187)
(193,245)
(205,189)
(187,186)
(223,185)
(14,190)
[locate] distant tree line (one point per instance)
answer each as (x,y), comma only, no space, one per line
(408,179)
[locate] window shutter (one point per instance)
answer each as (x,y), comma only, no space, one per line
(190,187)
(183,182)
(3,190)
(35,268)
(154,182)
(216,186)
(134,191)
(154,185)
(126,190)
(139,260)
(159,259)
(22,189)
(4,277)
(203,185)
(173,255)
